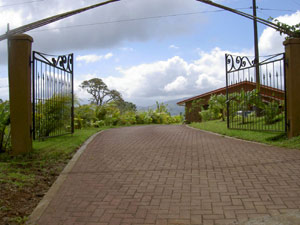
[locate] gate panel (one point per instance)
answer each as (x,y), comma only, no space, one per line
(256,104)
(52,93)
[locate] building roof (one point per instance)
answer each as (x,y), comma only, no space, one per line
(220,90)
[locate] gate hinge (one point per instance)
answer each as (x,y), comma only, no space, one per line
(286,61)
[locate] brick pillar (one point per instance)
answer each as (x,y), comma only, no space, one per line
(19,67)
(292,51)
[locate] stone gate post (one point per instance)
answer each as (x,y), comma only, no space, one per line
(292,51)
(19,69)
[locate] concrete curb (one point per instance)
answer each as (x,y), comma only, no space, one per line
(43,204)
(234,138)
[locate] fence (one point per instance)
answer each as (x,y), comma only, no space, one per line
(52,95)
(256,104)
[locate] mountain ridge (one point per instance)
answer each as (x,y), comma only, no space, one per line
(172,107)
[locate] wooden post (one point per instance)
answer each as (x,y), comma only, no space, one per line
(292,54)
(19,69)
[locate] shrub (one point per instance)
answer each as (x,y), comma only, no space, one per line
(98,123)
(100,112)
(112,114)
(85,114)
(4,126)
(205,115)
(127,118)
(78,123)
(177,119)
(52,114)
(143,118)
(217,106)
(238,119)
(271,110)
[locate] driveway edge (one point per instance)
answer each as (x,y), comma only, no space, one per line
(235,138)
(43,204)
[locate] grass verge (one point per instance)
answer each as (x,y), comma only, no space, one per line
(25,179)
(271,138)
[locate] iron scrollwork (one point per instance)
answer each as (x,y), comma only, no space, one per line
(63,62)
(238,62)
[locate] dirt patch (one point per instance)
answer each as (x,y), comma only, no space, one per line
(17,203)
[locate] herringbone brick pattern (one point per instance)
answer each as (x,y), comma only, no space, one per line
(175,175)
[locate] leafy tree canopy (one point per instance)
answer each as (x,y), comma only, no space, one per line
(125,106)
(100,92)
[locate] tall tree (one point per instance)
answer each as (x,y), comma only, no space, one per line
(100,92)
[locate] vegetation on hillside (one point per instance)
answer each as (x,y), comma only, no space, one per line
(115,113)
(108,108)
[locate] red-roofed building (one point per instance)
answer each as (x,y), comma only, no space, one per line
(192,113)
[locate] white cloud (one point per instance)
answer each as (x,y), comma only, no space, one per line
(93,58)
(77,34)
(271,42)
(173,47)
(209,82)
(177,85)
(13,16)
(147,79)
(175,77)
(79,92)
(127,49)
(4,90)
(88,58)
(172,78)
(108,56)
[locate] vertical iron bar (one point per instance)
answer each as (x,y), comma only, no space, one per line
(72,92)
(41,101)
(227,97)
(44,96)
(278,96)
(60,101)
(285,97)
(33,96)
(64,99)
(53,87)
(256,60)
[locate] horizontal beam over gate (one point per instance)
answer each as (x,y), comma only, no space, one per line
(251,17)
(49,20)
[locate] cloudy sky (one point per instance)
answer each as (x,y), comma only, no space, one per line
(147,49)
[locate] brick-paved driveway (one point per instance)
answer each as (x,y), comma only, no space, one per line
(175,175)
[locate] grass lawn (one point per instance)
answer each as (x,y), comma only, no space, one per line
(277,139)
(25,179)
(252,122)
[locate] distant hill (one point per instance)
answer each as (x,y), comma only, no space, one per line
(173,108)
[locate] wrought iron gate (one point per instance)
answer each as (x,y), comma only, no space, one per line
(256,104)
(52,95)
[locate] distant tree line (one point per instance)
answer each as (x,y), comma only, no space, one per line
(108,108)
